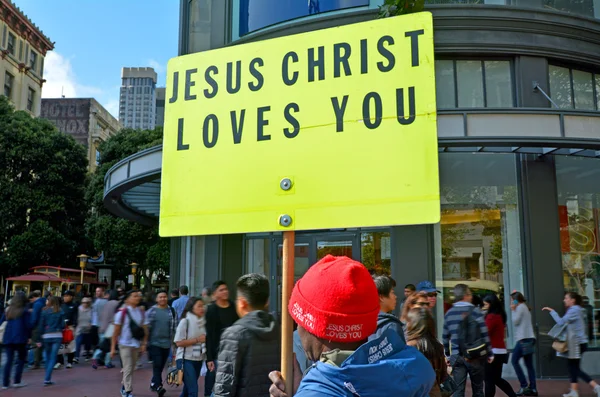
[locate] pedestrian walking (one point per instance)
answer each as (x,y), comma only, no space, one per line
(524,344)
(495,320)
(577,341)
(219,315)
(466,342)
(106,329)
(250,345)
(174,297)
(83,331)
(70,310)
(180,303)
(16,333)
(336,305)
(38,303)
(97,306)
(416,300)
(190,339)
(161,321)
(131,335)
(432,292)
(420,334)
(387,304)
(52,324)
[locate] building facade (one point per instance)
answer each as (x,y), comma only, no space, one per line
(137,104)
(88,122)
(518,97)
(160,106)
(23,47)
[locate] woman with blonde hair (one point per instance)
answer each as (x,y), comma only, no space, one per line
(414,300)
(420,333)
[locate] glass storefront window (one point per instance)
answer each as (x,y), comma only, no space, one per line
(257,14)
(478,241)
(574,89)
(258,256)
(474,84)
(375,252)
(560,86)
(579,217)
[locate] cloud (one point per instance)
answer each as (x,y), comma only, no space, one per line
(158,68)
(112,106)
(59,75)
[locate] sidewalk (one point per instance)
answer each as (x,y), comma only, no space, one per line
(83,381)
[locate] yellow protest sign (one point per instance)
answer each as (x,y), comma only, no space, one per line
(334,128)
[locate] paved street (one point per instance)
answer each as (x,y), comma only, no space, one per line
(83,381)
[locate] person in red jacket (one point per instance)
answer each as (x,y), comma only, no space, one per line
(495,320)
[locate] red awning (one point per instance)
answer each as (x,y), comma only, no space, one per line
(38,277)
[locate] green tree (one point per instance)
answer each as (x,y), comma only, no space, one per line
(392,8)
(42,185)
(124,241)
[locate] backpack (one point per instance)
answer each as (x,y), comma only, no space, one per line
(137,331)
(471,343)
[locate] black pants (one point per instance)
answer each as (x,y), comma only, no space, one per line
(159,357)
(575,369)
(70,357)
(209,380)
(493,377)
(475,369)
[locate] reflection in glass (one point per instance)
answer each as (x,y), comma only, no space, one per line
(301,265)
(478,238)
(257,14)
(498,84)
(257,256)
(579,218)
(335,248)
(375,252)
(583,88)
(560,86)
(469,79)
(444,84)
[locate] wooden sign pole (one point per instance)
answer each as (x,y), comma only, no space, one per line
(287,325)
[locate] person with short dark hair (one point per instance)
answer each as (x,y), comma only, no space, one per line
(461,364)
(161,321)
(250,345)
(409,289)
(180,303)
(174,297)
(387,303)
(220,314)
(38,304)
(69,307)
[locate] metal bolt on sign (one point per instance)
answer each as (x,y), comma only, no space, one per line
(285,220)
(285,184)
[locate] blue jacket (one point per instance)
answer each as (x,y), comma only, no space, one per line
(38,306)
(387,321)
(51,322)
(18,330)
(383,366)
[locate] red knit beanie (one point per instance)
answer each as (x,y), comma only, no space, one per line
(336,300)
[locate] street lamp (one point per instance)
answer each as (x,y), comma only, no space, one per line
(134,267)
(82,262)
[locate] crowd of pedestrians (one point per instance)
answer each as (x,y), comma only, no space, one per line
(347,339)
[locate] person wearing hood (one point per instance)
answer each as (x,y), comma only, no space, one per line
(250,347)
(336,305)
(387,304)
(190,339)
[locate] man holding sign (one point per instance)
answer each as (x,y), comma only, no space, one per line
(335,306)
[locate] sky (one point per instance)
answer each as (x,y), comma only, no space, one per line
(94,39)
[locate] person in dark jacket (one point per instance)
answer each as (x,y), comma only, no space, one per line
(336,305)
(249,349)
(219,315)
(38,303)
(387,304)
(16,334)
(69,308)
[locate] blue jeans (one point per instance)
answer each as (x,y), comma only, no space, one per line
(517,354)
(191,373)
(21,351)
(85,340)
(99,354)
(51,347)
